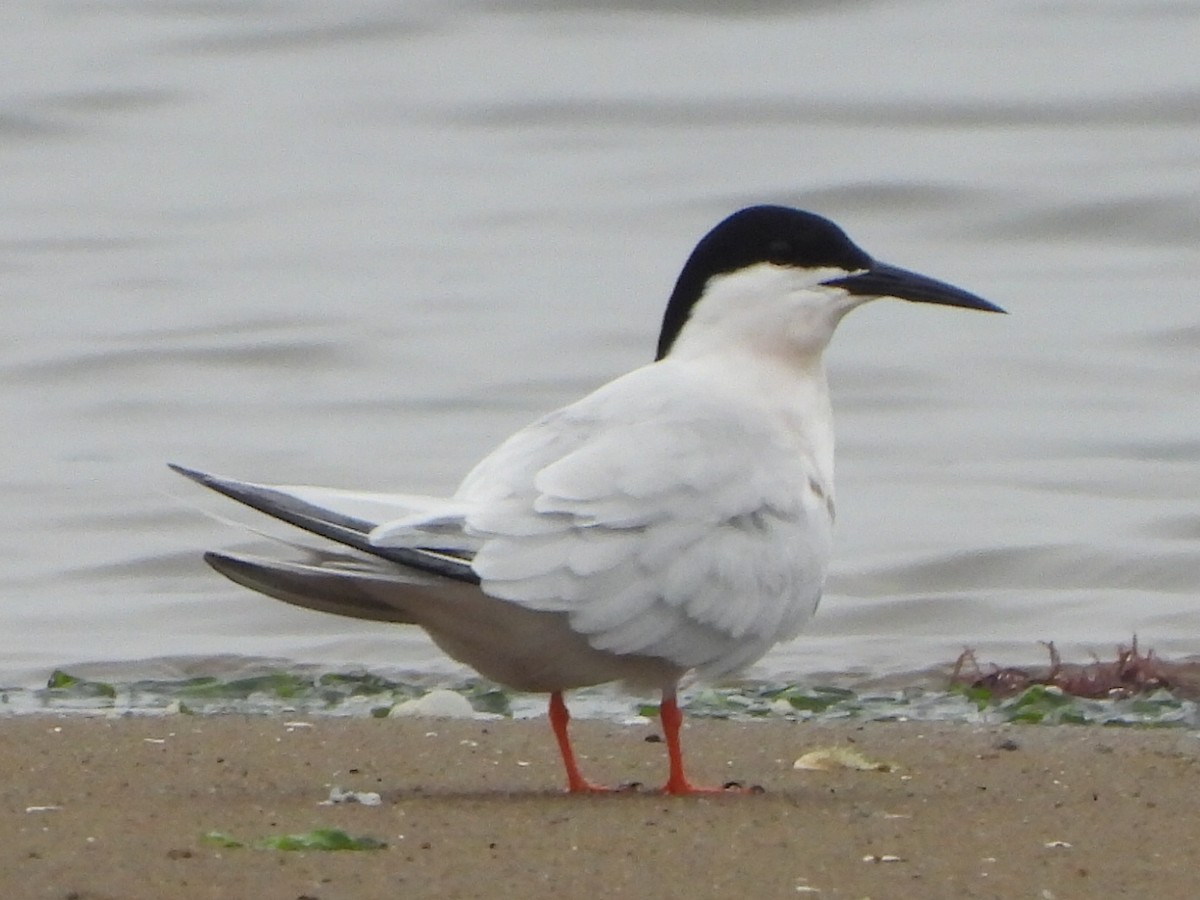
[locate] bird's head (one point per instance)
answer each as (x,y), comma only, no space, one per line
(775,276)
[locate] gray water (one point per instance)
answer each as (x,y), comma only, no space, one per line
(359,243)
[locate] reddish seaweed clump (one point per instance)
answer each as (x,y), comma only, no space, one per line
(1131,673)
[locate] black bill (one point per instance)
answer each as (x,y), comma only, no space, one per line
(882,280)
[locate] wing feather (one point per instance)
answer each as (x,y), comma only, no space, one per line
(297,506)
(666,519)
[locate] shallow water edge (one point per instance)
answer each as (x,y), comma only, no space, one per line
(274,687)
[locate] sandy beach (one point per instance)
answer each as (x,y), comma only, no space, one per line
(110,809)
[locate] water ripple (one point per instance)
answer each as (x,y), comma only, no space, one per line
(1167,108)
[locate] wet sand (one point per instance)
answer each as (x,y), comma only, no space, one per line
(474,809)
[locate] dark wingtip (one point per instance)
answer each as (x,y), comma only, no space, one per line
(229,565)
(235,489)
(192,474)
(216,560)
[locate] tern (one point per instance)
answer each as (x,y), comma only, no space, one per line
(676,520)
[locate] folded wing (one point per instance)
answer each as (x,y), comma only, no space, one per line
(662,523)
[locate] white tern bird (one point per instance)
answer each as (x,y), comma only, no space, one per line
(678,518)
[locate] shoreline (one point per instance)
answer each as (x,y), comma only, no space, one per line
(1135,690)
(105,808)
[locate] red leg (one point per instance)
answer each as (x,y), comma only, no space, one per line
(672,718)
(559,719)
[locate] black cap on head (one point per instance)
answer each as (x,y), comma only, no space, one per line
(772,234)
(791,237)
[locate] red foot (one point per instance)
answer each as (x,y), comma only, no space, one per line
(580,785)
(677,784)
(559,719)
(683,788)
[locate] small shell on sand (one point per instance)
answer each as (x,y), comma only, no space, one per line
(437,704)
